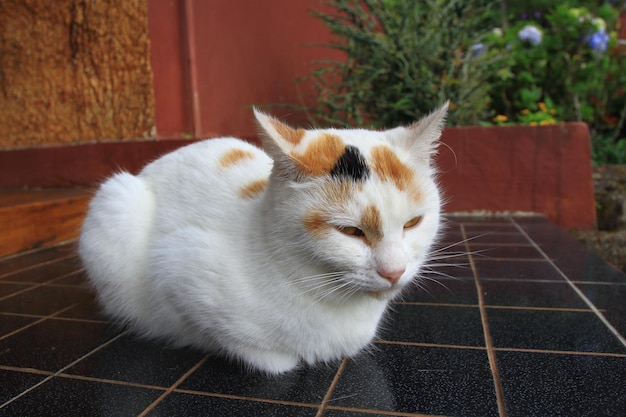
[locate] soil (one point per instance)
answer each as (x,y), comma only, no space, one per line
(609,240)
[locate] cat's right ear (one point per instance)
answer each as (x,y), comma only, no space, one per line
(279,141)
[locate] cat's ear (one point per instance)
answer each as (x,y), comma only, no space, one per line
(279,141)
(422,137)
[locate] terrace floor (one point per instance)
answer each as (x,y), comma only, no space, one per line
(523,321)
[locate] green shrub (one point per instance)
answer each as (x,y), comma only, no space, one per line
(405,58)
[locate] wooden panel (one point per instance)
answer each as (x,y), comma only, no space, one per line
(520,168)
(34,219)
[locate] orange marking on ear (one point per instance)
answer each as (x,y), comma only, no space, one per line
(254,189)
(389,168)
(293,136)
(234,156)
(321,155)
(372,225)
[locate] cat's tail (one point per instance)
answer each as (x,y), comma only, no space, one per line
(113,243)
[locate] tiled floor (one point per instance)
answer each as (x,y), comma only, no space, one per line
(519,320)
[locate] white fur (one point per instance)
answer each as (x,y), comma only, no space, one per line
(177,253)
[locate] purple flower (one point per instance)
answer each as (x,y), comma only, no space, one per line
(598,41)
(530,34)
(477,49)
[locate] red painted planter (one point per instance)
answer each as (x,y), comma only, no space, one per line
(543,169)
(495,169)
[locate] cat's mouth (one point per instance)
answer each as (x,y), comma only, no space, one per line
(386,294)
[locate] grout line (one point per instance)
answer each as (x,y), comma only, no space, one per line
(575,288)
(35,250)
(433,345)
(379,412)
(424,304)
(562,352)
(169,390)
(495,306)
(243,398)
(488,342)
(25,370)
(30,287)
(42,319)
(34,285)
(331,388)
(109,381)
(562,309)
(55,317)
(34,266)
(60,371)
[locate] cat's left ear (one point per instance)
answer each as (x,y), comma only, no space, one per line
(279,140)
(422,137)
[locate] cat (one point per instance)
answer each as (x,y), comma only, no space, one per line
(276,258)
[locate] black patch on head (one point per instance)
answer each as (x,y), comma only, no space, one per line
(351,165)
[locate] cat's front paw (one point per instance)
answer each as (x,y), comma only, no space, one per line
(270,362)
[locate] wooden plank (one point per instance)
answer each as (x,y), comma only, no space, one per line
(40,218)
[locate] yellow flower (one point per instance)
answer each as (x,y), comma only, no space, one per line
(542,106)
(500,118)
(525,112)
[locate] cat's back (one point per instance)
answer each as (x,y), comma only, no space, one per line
(212,179)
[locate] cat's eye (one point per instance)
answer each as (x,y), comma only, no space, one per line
(413,222)
(351,231)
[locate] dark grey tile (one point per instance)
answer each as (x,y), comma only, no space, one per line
(53,344)
(7,288)
(333,411)
(610,300)
(589,267)
(201,406)
(89,309)
(517,269)
(13,383)
(10,323)
(531,294)
(498,238)
(69,397)
(45,272)
(505,252)
(479,227)
(421,380)
(441,290)
(538,384)
(132,360)
(551,330)
(448,269)
(434,324)
(305,385)
(44,300)
(27,260)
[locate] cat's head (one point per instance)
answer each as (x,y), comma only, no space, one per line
(362,204)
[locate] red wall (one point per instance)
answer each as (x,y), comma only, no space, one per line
(213,59)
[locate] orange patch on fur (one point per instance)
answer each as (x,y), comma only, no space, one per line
(372,225)
(293,136)
(254,189)
(316,224)
(389,168)
(234,156)
(321,155)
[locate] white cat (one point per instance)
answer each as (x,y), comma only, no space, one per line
(273,258)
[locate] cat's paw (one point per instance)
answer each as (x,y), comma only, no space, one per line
(271,362)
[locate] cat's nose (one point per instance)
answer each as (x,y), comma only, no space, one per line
(392,275)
